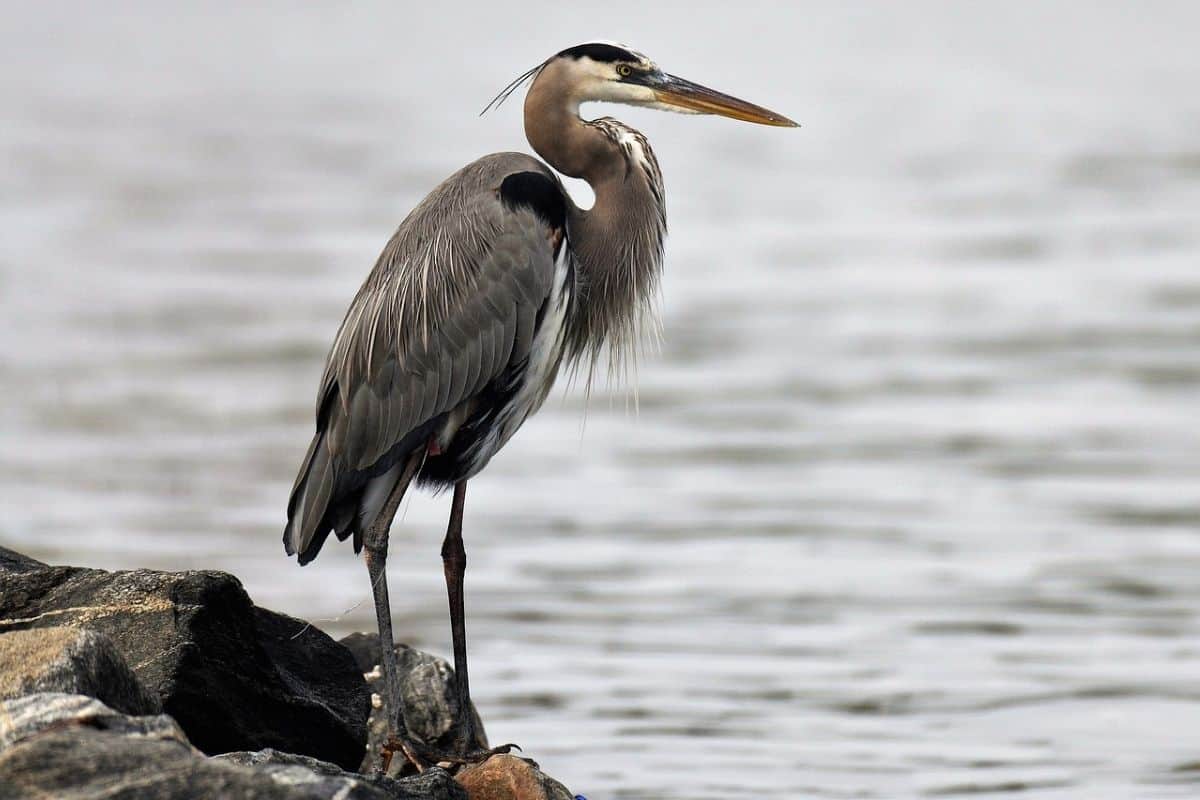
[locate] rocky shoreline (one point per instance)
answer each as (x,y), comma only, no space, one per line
(147,684)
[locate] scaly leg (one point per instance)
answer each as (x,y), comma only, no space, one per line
(375,545)
(454,564)
(454,558)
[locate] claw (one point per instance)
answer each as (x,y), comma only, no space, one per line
(410,751)
(476,756)
(385,757)
(422,757)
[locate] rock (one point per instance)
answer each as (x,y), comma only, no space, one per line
(33,714)
(14,562)
(365,649)
(234,676)
(71,747)
(426,692)
(507,777)
(431,711)
(291,770)
(72,661)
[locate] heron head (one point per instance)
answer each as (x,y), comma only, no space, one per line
(614,73)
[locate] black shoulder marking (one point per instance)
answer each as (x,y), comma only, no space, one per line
(537,192)
(599,52)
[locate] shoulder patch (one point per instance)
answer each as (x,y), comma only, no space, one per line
(537,192)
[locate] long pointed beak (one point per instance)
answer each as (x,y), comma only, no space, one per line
(687,96)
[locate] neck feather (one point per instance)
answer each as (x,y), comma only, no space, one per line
(618,242)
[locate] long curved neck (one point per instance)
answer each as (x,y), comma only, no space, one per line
(618,242)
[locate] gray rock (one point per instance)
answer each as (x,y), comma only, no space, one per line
(234,676)
(71,747)
(27,717)
(365,649)
(426,690)
(431,712)
(292,770)
(73,661)
(14,562)
(86,764)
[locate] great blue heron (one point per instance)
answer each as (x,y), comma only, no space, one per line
(485,289)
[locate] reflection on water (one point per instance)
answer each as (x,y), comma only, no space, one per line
(911,504)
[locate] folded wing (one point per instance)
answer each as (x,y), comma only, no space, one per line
(453,302)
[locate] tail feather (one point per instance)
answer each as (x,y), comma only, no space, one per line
(324,499)
(307,527)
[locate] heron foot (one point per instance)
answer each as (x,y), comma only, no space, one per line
(422,757)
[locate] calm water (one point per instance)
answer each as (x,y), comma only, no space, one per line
(911,507)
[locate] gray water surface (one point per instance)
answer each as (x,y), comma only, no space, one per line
(910,505)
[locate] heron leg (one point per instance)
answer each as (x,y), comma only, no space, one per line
(376,558)
(375,547)
(454,564)
(454,560)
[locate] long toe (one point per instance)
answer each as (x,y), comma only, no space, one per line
(418,755)
(476,756)
(422,756)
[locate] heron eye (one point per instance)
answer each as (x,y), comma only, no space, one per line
(624,70)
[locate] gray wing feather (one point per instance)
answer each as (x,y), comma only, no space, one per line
(452,302)
(445,383)
(470,363)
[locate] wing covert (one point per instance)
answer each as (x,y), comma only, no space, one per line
(431,357)
(451,304)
